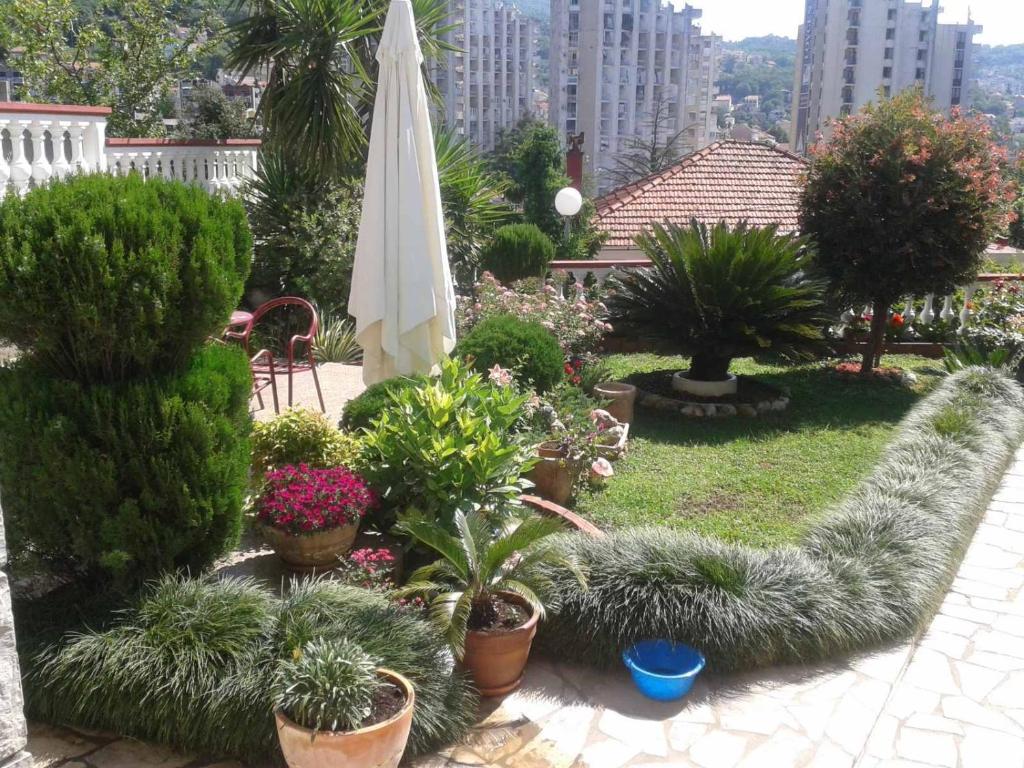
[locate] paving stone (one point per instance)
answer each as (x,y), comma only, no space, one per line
(982,748)
(884,665)
(882,741)
(935,723)
(964,611)
(828,755)
(754,714)
(647,736)
(1010,693)
(907,700)
(989,641)
(929,747)
(51,746)
(949,645)
(127,753)
(607,754)
(1005,578)
(813,718)
(851,725)
(973,713)
(696,713)
(1011,625)
(718,749)
(930,671)
(954,626)
(786,749)
(682,735)
(995,661)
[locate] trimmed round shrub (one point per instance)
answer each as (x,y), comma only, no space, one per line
(193,666)
(527,348)
(300,436)
(103,278)
(360,412)
(517,251)
(128,479)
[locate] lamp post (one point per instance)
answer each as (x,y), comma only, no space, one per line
(568,203)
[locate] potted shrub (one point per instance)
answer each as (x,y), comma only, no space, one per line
(334,706)
(556,470)
(488,591)
(311,516)
(717,293)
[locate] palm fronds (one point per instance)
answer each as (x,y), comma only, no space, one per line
(335,341)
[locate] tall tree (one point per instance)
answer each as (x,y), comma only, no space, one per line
(212,115)
(657,147)
(902,200)
(123,54)
(536,170)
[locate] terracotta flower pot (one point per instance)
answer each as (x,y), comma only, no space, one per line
(496,659)
(376,746)
(619,398)
(311,550)
(552,476)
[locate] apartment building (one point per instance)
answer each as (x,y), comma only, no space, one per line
(488,83)
(613,62)
(849,50)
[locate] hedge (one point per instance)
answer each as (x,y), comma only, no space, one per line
(873,571)
(191,665)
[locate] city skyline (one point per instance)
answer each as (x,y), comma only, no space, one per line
(1003,20)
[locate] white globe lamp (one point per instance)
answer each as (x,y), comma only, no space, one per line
(568,201)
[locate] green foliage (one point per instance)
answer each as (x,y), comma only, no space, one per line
(335,341)
(194,665)
(652,149)
(106,278)
(327,686)
(718,293)
(470,197)
(360,412)
(323,74)
(305,231)
(476,564)
(448,445)
(902,201)
(535,166)
(124,54)
(212,115)
(516,252)
(299,436)
(136,478)
(527,348)
(871,572)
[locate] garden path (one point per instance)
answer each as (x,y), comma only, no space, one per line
(953,697)
(339,383)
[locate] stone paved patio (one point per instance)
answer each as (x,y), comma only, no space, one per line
(953,698)
(339,383)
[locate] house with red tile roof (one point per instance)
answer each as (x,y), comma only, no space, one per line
(729,181)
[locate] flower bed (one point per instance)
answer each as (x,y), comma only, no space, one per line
(753,398)
(872,571)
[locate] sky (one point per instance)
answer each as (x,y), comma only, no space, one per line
(1003,20)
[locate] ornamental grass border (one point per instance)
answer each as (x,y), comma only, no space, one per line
(872,571)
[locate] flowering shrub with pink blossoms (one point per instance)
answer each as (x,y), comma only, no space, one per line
(298,499)
(369,567)
(578,322)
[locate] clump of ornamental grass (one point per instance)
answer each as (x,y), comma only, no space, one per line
(194,665)
(327,686)
(872,571)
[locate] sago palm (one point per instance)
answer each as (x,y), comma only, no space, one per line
(477,564)
(717,293)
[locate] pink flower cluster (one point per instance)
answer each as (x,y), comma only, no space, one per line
(303,500)
(370,568)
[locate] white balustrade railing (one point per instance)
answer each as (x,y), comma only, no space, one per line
(39,142)
(954,307)
(218,166)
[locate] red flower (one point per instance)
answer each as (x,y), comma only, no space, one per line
(897,321)
(303,500)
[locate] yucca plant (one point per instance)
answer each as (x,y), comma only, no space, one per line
(335,341)
(478,564)
(717,293)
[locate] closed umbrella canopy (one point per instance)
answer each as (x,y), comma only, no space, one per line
(402,295)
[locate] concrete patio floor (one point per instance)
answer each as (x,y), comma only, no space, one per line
(954,697)
(339,384)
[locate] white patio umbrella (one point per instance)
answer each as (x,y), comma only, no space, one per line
(402,295)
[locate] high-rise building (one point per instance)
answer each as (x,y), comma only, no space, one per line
(615,64)
(487,84)
(850,50)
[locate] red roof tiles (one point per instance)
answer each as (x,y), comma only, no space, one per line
(729,181)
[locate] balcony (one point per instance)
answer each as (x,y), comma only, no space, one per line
(50,141)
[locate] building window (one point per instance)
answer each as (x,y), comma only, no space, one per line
(921,54)
(886,91)
(888,54)
(922,36)
(887,72)
(892,14)
(890,34)
(956,97)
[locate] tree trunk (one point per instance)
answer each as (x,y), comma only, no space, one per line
(705,367)
(876,341)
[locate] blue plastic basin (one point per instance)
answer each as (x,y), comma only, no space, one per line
(663,670)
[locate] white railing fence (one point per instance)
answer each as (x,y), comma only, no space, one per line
(40,142)
(919,311)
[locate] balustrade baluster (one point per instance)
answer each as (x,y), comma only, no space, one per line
(41,170)
(908,312)
(61,164)
(947,312)
(927,311)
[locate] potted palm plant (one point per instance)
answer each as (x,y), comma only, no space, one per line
(717,293)
(334,706)
(489,590)
(311,516)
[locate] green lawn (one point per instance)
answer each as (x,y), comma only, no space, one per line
(757,481)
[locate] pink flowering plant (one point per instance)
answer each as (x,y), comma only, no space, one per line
(579,322)
(369,567)
(301,500)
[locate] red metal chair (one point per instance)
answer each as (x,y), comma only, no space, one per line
(263,368)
